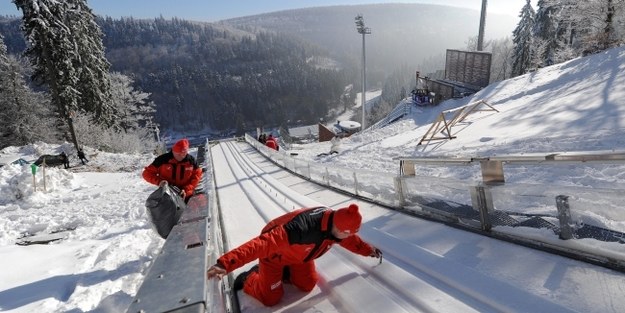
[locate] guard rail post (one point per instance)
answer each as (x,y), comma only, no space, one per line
(564,216)
(327,177)
(294,164)
(308,166)
(399,188)
(483,201)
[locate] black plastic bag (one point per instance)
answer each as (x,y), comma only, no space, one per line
(165,206)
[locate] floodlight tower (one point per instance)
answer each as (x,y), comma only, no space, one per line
(480,36)
(360,26)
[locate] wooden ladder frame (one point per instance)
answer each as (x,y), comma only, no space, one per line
(460,114)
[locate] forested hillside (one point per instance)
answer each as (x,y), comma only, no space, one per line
(205,76)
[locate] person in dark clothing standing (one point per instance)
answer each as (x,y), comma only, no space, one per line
(286,250)
(82,157)
(177,168)
(64,159)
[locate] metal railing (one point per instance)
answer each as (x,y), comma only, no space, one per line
(402,109)
(176,281)
(488,204)
(492,167)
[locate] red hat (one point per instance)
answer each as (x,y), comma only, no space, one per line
(348,219)
(182,146)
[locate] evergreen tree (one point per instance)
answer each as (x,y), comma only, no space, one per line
(93,68)
(67,55)
(4,57)
(25,114)
(566,31)
(545,29)
(51,52)
(522,39)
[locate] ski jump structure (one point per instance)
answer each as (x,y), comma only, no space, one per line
(176,280)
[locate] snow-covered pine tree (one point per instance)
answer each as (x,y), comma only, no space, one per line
(4,60)
(92,66)
(53,54)
(4,94)
(26,115)
(566,30)
(545,29)
(66,50)
(522,39)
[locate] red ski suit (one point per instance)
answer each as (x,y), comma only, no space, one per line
(272,143)
(185,174)
(292,240)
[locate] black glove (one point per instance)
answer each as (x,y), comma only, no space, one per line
(376,253)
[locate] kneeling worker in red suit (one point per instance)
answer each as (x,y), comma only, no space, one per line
(286,250)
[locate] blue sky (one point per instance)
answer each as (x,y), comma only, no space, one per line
(211,11)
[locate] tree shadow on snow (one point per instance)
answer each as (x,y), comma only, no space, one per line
(61,287)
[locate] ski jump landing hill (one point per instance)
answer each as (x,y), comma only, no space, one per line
(438,236)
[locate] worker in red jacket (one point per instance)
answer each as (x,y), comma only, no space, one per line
(286,250)
(272,143)
(177,168)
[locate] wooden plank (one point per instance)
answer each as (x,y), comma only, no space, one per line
(44,239)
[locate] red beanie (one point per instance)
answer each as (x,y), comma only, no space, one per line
(182,146)
(348,219)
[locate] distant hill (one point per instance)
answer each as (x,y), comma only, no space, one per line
(401,34)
